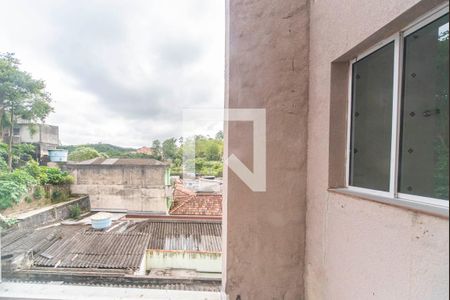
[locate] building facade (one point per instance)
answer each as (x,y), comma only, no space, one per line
(126,185)
(44,136)
(356,100)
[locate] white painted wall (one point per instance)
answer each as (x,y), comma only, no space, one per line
(199,261)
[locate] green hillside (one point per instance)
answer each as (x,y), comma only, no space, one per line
(109,150)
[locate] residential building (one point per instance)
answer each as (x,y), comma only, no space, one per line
(44,136)
(127,185)
(145,150)
(195,204)
(356,100)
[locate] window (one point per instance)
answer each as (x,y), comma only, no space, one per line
(399,126)
(372,91)
(16,131)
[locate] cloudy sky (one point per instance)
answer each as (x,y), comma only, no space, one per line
(120,71)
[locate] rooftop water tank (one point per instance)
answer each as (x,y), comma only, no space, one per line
(58,155)
(101,220)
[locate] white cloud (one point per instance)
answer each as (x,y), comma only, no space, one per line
(120,71)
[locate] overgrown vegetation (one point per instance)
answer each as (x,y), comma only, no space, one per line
(21,97)
(21,154)
(6,223)
(39,193)
(27,175)
(106,150)
(10,193)
(74,212)
(85,153)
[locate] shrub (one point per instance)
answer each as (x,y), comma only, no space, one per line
(10,193)
(55,176)
(3,165)
(33,169)
(74,211)
(39,192)
(13,186)
(21,153)
(46,175)
(20,177)
(28,199)
(59,194)
(85,153)
(8,222)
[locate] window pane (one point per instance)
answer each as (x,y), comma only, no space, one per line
(424,136)
(370,147)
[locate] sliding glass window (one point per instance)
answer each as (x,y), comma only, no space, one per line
(424,135)
(399,126)
(372,119)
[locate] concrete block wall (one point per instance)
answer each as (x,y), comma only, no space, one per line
(122,188)
(54,213)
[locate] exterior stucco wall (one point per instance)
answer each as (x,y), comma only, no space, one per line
(210,262)
(267,67)
(122,188)
(359,249)
(46,134)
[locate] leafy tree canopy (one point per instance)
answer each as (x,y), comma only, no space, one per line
(85,153)
(21,97)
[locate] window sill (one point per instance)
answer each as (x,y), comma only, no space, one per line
(436,210)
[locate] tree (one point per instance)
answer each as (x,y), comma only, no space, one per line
(157,150)
(169,148)
(85,153)
(219,135)
(21,96)
(213,151)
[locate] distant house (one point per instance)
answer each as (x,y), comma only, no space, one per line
(200,204)
(44,136)
(127,185)
(145,150)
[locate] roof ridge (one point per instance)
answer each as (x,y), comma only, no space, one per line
(184,203)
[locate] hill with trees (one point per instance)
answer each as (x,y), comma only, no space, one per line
(106,149)
(208,153)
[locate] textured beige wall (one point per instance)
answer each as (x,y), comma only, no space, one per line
(138,189)
(358,249)
(267,67)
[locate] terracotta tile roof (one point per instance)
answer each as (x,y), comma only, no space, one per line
(145,150)
(187,202)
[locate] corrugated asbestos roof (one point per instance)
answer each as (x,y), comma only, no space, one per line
(96,250)
(118,162)
(28,240)
(123,247)
(183,235)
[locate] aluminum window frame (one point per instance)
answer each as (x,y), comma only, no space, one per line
(398,39)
